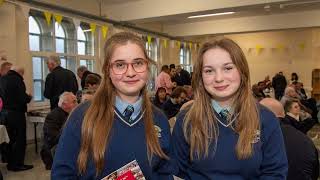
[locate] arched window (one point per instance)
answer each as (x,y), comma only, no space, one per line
(81,41)
(185,57)
(34,34)
(60,38)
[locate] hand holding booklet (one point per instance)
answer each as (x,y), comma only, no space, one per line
(130,171)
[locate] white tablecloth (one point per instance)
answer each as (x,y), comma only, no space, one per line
(3,135)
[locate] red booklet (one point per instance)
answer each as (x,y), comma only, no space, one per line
(130,171)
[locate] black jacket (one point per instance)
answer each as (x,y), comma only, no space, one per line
(57,82)
(170,109)
(301,153)
(183,78)
(13,92)
(54,122)
(303,126)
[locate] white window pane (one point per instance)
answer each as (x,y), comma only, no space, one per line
(81,35)
(59,30)
(34,42)
(33,26)
(63,62)
(81,48)
(60,45)
(87,63)
(71,65)
(36,67)
(83,62)
(37,91)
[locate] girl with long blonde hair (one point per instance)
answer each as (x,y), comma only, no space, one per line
(225,134)
(120,124)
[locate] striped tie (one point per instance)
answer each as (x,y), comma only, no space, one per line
(127,113)
(224,114)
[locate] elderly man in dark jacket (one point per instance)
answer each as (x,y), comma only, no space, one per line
(15,99)
(53,125)
(58,81)
(301,152)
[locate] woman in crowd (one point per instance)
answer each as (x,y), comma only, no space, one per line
(120,124)
(294,116)
(225,134)
(160,97)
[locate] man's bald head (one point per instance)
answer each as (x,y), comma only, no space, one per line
(273,105)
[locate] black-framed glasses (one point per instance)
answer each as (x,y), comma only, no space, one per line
(121,67)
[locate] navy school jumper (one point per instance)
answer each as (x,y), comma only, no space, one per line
(125,145)
(269,161)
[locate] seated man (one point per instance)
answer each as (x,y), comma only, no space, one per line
(172,106)
(53,126)
(301,152)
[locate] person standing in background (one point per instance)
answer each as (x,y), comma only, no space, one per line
(58,81)
(15,100)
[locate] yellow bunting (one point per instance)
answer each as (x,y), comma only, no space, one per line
(280,46)
(179,44)
(302,46)
(190,45)
(104,30)
(165,41)
(184,44)
(259,48)
(93,27)
(149,39)
(58,18)
(1,2)
(48,16)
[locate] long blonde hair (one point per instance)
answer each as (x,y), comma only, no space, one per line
(98,119)
(200,125)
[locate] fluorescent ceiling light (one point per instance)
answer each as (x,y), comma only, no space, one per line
(87,30)
(208,15)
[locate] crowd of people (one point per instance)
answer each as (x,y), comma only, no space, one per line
(209,125)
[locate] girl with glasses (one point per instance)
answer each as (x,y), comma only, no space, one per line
(120,124)
(225,134)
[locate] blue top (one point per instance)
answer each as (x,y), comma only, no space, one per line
(268,161)
(127,143)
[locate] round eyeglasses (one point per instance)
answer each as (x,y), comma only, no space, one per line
(121,67)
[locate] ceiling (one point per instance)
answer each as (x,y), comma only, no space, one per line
(246,11)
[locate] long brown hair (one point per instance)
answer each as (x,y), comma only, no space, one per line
(200,125)
(98,120)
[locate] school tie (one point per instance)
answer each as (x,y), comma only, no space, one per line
(127,113)
(224,114)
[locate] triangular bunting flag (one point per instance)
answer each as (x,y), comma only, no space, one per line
(104,30)
(48,16)
(302,46)
(190,45)
(149,39)
(93,27)
(179,44)
(259,48)
(1,2)
(280,46)
(58,18)
(165,41)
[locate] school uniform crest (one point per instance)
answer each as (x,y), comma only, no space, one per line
(256,137)
(158,130)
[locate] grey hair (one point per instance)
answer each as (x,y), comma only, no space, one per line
(55,59)
(63,96)
(82,69)
(288,90)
